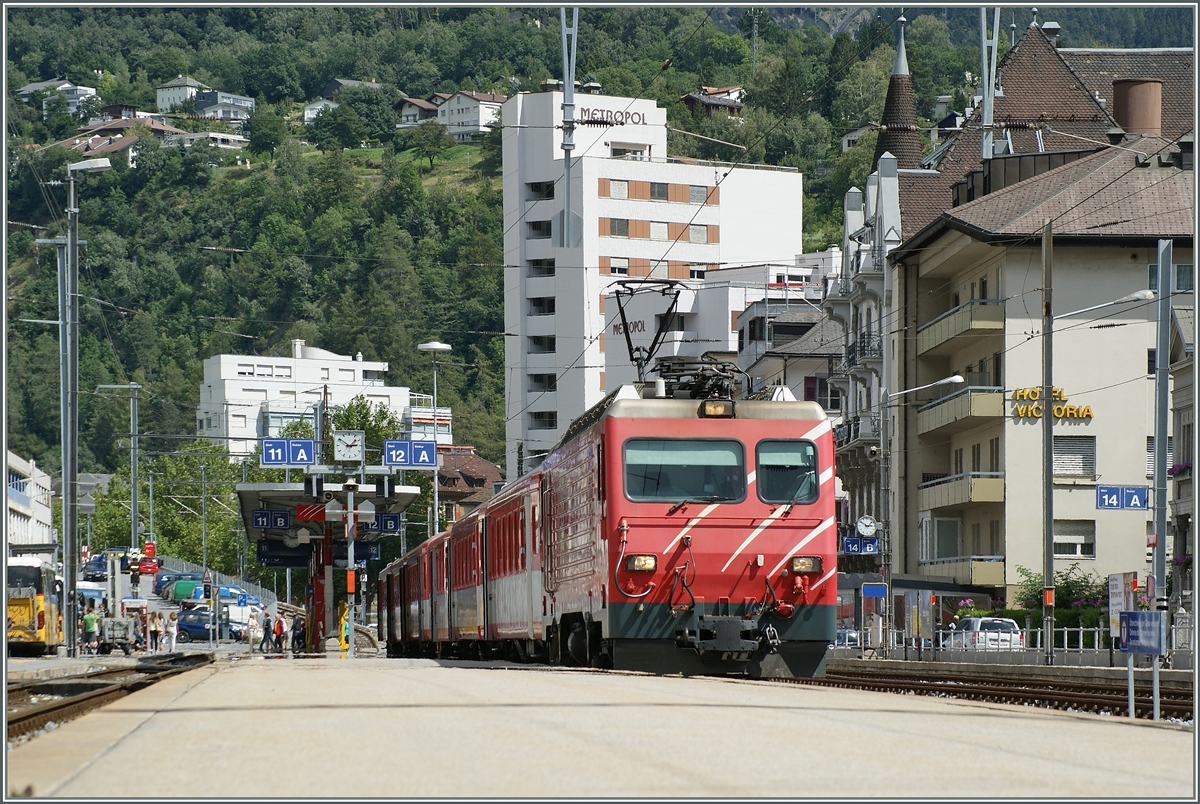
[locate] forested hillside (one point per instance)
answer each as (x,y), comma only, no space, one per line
(376,250)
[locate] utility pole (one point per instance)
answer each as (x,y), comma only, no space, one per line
(569,37)
(1162,359)
(987,78)
(1047,402)
(133,388)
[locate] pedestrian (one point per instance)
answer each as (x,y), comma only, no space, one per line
(297,634)
(280,630)
(155,621)
(89,630)
(264,645)
(172,631)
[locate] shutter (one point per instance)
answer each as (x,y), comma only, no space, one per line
(1074,455)
(810,389)
(1150,454)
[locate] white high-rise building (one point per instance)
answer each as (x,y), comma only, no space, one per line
(635,213)
(248,397)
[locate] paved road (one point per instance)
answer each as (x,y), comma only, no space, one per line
(377,727)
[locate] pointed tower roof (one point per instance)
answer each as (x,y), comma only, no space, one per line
(899,135)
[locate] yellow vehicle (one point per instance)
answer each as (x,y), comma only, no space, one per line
(34,595)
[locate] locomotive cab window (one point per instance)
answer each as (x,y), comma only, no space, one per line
(664,469)
(787,471)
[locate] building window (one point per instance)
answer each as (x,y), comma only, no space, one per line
(1184,279)
(619,265)
(345,375)
(994,454)
(658,191)
(697,194)
(629,151)
(697,234)
(938,538)
(543,420)
(1075,538)
(245,370)
(818,389)
(539,230)
(283,372)
(541,344)
(618,227)
(543,382)
(541,305)
(758,329)
(325,374)
(976,539)
(994,547)
(540,190)
(977,457)
(658,230)
(208,423)
(618,189)
(238,420)
(983,287)
(264,371)
(1075,455)
(997,376)
(676,323)
(695,272)
(540,268)
(1151,361)
(1150,453)
(958,461)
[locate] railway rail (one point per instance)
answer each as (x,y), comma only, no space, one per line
(34,704)
(1088,696)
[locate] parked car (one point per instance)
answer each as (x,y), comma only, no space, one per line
(985,633)
(846,638)
(148,566)
(164,580)
(228,594)
(194,625)
(96,569)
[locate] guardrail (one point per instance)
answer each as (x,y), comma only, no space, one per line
(221,579)
(1073,647)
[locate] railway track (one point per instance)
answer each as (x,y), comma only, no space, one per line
(34,704)
(1087,696)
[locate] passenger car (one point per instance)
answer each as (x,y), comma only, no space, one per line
(194,625)
(164,581)
(986,633)
(148,566)
(96,569)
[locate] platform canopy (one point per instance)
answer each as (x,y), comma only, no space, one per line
(289,497)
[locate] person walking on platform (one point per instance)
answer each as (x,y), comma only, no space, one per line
(155,620)
(280,630)
(298,634)
(268,636)
(89,630)
(172,631)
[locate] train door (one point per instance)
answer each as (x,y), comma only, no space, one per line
(548,546)
(487,582)
(530,564)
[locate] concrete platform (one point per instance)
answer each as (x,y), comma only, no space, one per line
(421,728)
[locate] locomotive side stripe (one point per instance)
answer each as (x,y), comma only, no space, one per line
(818,431)
(828,523)
(765,524)
(826,476)
(824,578)
(695,520)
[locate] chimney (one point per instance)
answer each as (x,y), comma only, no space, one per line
(1051,30)
(297,348)
(1137,105)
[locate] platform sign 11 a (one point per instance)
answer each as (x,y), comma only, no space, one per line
(288,452)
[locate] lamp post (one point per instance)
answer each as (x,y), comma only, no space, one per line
(884,508)
(1047,404)
(69,369)
(434,347)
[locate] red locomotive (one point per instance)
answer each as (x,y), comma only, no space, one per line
(664,533)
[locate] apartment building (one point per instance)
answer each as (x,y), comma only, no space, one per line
(635,213)
(29,527)
(967,458)
(171,95)
(466,114)
(245,398)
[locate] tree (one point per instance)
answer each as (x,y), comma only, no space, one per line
(373,107)
(337,127)
(491,147)
(430,140)
(267,131)
(88,109)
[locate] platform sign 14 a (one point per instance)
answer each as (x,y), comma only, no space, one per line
(1115,498)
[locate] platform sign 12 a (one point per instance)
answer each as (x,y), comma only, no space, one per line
(410,454)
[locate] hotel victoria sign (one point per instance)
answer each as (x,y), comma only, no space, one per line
(1027,405)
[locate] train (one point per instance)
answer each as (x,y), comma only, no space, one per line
(34,608)
(671,530)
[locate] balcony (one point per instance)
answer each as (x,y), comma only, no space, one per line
(954,329)
(967,570)
(857,431)
(866,347)
(965,408)
(958,490)
(837,299)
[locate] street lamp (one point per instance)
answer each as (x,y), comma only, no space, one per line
(69,368)
(1047,401)
(884,508)
(434,347)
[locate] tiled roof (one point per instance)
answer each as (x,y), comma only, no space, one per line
(825,339)
(38,86)
(711,101)
(899,135)
(130,122)
(99,144)
(418,102)
(1107,195)
(923,196)
(486,97)
(182,81)
(1098,68)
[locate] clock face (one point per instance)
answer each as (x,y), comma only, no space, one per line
(867,526)
(348,445)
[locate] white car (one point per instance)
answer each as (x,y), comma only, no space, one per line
(986,633)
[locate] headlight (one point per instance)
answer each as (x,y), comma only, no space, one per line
(806,564)
(641,563)
(717,409)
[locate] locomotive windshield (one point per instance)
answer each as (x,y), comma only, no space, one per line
(679,469)
(787,471)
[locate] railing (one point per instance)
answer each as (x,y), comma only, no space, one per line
(964,306)
(865,426)
(865,346)
(1073,647)
(952,478)
(219,578)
